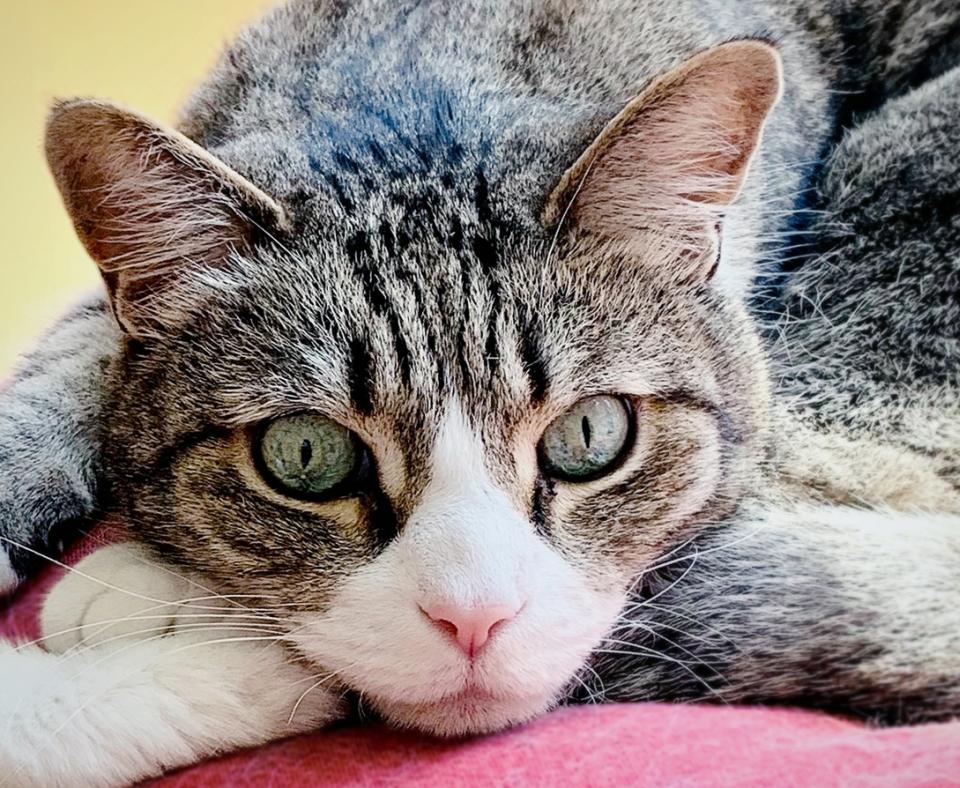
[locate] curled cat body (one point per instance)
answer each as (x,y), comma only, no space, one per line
(452,359)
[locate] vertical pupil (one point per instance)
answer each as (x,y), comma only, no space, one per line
(585,426)
(306,453)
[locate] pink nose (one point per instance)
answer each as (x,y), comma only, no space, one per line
(472,627)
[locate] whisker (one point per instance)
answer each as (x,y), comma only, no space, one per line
(139,617)
(646,652)
(674,584)
(653,627)
(675,610)
(163,632)
(590,694)
(716,548)
(314,686)
(85,576)
(695,657)
(145,598)
(567,209)
(74,714)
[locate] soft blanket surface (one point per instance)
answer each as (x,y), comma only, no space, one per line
(644,744)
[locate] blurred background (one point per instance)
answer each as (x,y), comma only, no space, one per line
(144,54)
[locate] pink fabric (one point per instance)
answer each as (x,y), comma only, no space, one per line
(644,744)
(638,745)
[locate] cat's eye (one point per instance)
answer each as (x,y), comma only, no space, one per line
(307,455)
(589,439)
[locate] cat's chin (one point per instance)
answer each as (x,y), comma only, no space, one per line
(465,713)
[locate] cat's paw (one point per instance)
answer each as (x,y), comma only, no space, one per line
(115,595)
(25,546)
(116,718)
(39,515)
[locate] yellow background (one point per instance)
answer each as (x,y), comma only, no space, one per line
(144,53)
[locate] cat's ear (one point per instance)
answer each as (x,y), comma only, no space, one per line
(665,168)
(157,212)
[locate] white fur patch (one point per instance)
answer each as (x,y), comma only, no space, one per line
(118,717)
(8,578)
(115,595)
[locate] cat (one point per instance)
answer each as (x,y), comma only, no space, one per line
(504,284)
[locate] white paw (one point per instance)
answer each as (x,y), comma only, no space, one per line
(113,596)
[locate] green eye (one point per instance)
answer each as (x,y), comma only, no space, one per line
(307,455)
(588,439)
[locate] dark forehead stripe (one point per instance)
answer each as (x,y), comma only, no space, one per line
(445,289)
(360,251)
(486,252)
(533,357)
(434,241)
(360,376)
(449,312)
(419,180)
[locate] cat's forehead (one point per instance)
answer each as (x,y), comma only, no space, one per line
(417,312)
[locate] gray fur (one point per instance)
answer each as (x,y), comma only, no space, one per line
(379,157)
(50,436)
(833,608)
(869,341)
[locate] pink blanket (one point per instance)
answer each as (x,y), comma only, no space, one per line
(644,744)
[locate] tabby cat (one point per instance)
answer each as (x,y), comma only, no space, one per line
(473,358)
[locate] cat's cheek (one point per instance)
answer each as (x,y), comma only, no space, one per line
(618,525)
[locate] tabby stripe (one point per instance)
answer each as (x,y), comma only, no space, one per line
(482,198)
(465,284)
(360,252)
(401,348)
(171,452)
(544,492)
(729,432)
(532,358)
(360,376)
(382,519)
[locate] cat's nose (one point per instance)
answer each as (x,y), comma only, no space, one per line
(471,627)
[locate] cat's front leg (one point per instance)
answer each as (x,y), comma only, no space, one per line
(151,672)
(50,426)
(834,607)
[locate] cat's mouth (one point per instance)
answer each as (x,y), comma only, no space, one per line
(469,710)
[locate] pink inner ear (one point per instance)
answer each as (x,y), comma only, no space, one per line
(679,152)
(155,211)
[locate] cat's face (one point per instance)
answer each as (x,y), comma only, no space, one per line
(442,398)
(442,444)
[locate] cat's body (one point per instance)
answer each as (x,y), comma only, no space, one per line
(410,289)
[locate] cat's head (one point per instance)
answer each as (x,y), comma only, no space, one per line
(442,440)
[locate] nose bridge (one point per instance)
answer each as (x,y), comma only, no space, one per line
(464,539)
(467,551)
